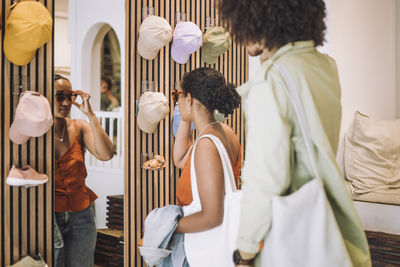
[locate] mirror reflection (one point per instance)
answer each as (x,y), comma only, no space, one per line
(88,137)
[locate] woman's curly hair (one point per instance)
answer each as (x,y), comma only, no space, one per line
(274,23)
(209,86)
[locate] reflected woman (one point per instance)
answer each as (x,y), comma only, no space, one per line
(73,210)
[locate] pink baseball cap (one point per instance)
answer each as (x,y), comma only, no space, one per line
(32,117)
(187,39)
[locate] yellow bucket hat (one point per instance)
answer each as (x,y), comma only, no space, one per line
(28,27)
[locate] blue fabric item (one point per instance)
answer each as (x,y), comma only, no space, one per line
(79,234)
(137,107)
(58,240)
(178,257)
(161,245)
(176,120)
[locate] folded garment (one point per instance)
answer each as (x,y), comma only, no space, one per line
(157,162)
(161,245)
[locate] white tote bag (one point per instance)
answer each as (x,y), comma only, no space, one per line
(214,247)
(304,232)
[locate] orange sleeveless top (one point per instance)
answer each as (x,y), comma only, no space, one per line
(71,192)
(184,187)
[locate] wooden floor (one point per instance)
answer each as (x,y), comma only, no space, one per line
(384,248)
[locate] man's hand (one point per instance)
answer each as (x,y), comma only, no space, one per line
(246,259)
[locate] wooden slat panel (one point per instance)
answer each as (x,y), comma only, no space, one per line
(5,227)
(49,145)
(146,190)
(172,172)
(384,248)
(127,207)
(14,192)
(2,137)
(6,152)
(41,210)
(34,164)
(25,214)
(23,223)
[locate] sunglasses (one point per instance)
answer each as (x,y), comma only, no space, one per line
(61,97)
(175,95)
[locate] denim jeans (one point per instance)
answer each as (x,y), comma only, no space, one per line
(78,231)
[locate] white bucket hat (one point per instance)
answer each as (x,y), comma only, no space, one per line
(153,107)
(154,33)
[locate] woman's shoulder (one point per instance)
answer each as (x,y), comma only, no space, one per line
(81,125)
(230,133)
(205,147)
(78,123)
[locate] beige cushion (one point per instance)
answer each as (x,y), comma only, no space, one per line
(372,159)
(391,196)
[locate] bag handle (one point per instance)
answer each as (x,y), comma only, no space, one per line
(229,180)
(298,107)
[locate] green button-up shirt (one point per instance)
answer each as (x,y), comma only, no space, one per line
(276,160)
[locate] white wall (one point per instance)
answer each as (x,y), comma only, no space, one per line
(62,47)
(363,43)
(61,6)
(104,183)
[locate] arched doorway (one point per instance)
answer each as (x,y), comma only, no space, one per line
(110,69)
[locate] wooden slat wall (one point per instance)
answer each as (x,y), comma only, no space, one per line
(146,190)
(25,214)
(384,249)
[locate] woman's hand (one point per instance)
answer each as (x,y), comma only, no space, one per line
(182,144)
(85,106)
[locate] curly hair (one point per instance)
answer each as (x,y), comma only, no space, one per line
(108,82)
(210,87)
(274,23)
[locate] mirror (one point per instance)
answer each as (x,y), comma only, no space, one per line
(88,54)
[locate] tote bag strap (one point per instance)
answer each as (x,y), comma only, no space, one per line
(298,107)
(229,180)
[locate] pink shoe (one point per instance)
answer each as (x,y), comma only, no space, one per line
(25,176)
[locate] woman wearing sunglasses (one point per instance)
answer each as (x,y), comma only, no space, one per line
(199,94)
(73,211)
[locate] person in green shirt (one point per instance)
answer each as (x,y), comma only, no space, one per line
(276,162)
